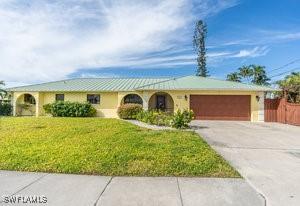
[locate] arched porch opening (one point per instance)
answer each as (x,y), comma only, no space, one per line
(132,99)
(26,105)
(161,101)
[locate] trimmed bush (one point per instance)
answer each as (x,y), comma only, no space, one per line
(70,109)
(129,111)
(5,109)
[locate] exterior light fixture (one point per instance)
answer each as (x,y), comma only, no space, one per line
(257,98)
(185,97)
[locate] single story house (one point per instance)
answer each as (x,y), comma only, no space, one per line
(210,99)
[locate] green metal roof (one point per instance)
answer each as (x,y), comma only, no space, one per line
(90,84)
(132,84)
(202,83)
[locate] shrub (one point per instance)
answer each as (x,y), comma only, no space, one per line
(5,109)
(70,109)
(181,119)
(155,117)
(129,111)
(47,108)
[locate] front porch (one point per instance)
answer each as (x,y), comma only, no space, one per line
(161,101)
(158,101)
(25,105)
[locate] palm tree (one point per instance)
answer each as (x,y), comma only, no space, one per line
(246,72)
(291,87)
(234,76)
(259,75)
(3,93)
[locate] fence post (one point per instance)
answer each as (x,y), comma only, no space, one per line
(285,111)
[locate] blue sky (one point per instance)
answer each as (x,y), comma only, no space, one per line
(51,40)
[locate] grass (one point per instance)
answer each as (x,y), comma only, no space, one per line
(105,147)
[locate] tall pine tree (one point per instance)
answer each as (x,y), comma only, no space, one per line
(200,34)
(2,91)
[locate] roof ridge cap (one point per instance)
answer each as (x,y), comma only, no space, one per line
(167,80)
(244,83)
(160,77)
(154,83)
(63,80)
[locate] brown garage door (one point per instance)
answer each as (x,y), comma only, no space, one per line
(221,107)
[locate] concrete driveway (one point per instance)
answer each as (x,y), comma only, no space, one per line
(266,154)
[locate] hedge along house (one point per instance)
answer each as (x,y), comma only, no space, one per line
(210,99)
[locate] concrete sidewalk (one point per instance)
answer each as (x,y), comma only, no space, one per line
(81,190)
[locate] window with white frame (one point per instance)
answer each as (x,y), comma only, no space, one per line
(93,98)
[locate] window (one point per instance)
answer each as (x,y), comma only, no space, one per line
(93,98)
(59,97)
(133,99)
(28,98)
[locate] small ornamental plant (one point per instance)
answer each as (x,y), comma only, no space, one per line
(181,119)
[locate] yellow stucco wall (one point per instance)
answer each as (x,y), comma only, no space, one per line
(109,101)
(181,103)
(107,107)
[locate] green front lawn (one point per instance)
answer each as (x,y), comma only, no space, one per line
(105,147)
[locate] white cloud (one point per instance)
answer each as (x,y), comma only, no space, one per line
(44,40)
(190,59)
(103,75)
(276,36)
(255,52)
(218,54)
(260,37)
(217,57)
(288,36)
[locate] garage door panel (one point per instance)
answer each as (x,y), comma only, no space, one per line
(221,107)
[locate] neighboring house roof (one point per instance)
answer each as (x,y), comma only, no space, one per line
(133,84)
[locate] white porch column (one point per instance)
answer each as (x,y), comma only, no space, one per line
(145,100)
(14,105)
(120,97)
(37,104)
(261,107)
